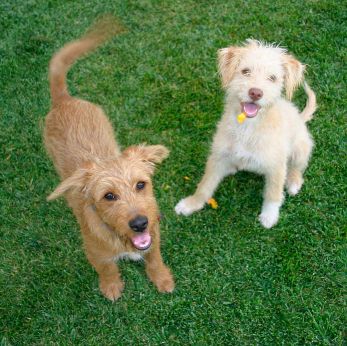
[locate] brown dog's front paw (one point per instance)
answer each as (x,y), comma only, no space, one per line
(163,280)
(112,290)
(166,286)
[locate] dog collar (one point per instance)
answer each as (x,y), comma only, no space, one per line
(241,117)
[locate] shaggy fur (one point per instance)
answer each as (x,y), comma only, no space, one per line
(274,143)
(106,188)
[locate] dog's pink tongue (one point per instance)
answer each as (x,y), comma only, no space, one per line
(142,241)
(251,109)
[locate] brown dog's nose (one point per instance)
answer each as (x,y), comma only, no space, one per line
(138,224)
(255,94)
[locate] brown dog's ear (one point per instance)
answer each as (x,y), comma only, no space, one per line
(77,180)
(228,60)
(148,153)
(294,74)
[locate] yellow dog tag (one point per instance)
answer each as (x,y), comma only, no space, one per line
(241,118)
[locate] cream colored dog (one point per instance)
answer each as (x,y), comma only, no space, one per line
(273,140)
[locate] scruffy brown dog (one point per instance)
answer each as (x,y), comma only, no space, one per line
(109,191)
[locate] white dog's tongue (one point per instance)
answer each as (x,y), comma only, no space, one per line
(251,109)
(142,241)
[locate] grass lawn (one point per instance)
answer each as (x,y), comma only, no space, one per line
(237,283)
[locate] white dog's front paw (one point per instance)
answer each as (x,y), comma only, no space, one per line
(270,214)
(188,205)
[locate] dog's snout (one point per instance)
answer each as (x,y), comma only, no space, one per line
(139,223)
(255,94)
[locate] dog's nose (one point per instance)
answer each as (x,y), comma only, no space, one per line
(255,94)
(139,223)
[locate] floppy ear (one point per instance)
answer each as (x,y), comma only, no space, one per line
(148,153)
(228,60)
(294,74)
(76,181)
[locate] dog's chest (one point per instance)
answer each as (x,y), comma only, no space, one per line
(245,159)
(245,151)
(129,255)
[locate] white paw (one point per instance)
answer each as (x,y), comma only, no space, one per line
(294,188)
(270,214)
(188,205)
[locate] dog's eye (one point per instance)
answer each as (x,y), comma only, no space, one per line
(272,78)
(140,185)
(246,72)
(111,197)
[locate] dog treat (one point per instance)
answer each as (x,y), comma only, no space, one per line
(213,203)
(241,118)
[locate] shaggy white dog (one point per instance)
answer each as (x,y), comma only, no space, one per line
(260,131)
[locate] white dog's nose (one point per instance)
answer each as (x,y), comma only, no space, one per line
(255,94)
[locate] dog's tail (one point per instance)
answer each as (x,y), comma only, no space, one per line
(61,62)
(311,104)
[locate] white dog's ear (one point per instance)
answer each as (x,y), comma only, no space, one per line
(77,181)
(294,74)
(228,60)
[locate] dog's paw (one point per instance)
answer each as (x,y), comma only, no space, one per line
(165,285)
(294,184)
(163,280)
(294,188)
(269,214)
(189,205)
(112,290)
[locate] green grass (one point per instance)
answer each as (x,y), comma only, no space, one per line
(237,283)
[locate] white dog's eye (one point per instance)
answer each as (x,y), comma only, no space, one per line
(272,78)
(246,72)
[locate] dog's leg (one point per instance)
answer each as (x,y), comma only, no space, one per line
(273,196)
(297,166)
(110,282)
(158,272)
(217,167)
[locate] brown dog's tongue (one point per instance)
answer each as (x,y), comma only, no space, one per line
(251,109)
(142,241)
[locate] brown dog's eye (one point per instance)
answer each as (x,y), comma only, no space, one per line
(273,78)
(140,185)
(111,197)
(246,72)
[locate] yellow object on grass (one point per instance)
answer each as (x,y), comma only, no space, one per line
(241,117)
(186,178)
(213,203)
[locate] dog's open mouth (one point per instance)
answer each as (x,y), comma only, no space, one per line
(142,241)
(250,109)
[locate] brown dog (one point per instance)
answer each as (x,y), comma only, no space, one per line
(109,191)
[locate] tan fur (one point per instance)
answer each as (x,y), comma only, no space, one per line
(275,143)
(81,143)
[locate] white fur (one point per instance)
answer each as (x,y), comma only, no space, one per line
(269,214)
(276,143)
(133,256)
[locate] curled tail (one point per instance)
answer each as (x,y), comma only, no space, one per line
(311,104)
(66,56)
